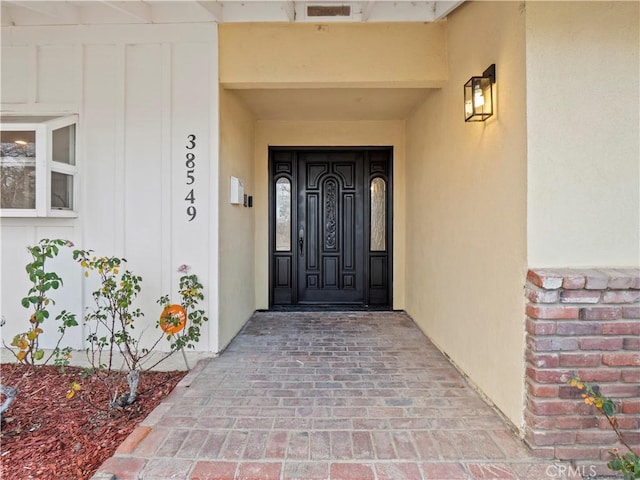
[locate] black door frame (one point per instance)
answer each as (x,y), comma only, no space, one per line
(288,261)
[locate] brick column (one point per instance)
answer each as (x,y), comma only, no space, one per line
(584,322)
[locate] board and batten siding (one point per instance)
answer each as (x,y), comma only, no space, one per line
(139,91)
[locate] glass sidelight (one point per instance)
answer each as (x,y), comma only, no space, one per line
(283,215)
(378,215)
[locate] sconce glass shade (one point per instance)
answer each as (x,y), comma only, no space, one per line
(478,96)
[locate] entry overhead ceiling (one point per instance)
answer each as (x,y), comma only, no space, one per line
(29,12)
(340,104)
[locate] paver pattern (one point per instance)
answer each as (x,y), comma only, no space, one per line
(313,396)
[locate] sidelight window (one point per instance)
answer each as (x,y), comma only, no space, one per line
(378,215)
(283,215)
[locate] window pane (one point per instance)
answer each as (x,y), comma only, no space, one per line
(18,169)
(283,215)
(378,215)
(64,142)
(61,191)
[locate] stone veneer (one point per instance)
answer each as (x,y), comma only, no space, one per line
(584,322)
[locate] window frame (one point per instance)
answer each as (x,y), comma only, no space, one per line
(44,164)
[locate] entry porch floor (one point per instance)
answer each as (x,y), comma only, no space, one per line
(326,395)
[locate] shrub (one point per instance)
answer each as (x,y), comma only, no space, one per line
(628,463)
(112,319)
(38,301)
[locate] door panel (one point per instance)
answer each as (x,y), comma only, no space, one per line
(328,259)
(331,208)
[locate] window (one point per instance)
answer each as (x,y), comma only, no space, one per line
(38,172)
(378,215)
(283,215)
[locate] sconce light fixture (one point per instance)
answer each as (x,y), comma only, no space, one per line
(478,96)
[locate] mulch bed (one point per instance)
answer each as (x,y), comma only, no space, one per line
(45,436)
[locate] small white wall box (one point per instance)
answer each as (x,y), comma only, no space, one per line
(236,191)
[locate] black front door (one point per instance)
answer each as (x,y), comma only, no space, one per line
(330,228)
(329,231)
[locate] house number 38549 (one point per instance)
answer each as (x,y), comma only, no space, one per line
(190,164)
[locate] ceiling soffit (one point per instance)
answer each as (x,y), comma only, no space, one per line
(344,104)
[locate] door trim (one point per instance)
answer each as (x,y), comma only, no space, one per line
(289,260)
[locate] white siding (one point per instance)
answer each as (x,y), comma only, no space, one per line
(58,74)
(14,87)
(139,92)
(101,154)
(142,214)
(190,242)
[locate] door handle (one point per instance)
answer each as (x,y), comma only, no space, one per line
(301,241)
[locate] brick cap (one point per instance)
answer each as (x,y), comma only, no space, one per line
(547,279)
(589,278)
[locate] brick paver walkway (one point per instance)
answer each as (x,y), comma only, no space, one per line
(308,396)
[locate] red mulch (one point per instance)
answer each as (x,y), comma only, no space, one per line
(44,436)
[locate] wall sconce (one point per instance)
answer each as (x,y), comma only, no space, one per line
(478,96)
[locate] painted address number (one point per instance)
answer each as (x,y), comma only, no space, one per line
(190,165)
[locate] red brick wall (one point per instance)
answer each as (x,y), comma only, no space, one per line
(584,322)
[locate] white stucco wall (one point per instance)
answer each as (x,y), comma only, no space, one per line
(466,208)
(236,254)
(583,118)
(139,90)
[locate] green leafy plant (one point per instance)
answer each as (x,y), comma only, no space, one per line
(111,323)
(39,301)
(26,345)
(628,463)
(191,294)
(112,319)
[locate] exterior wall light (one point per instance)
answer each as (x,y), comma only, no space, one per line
(478,96)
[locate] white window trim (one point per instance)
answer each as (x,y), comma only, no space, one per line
(45,166)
